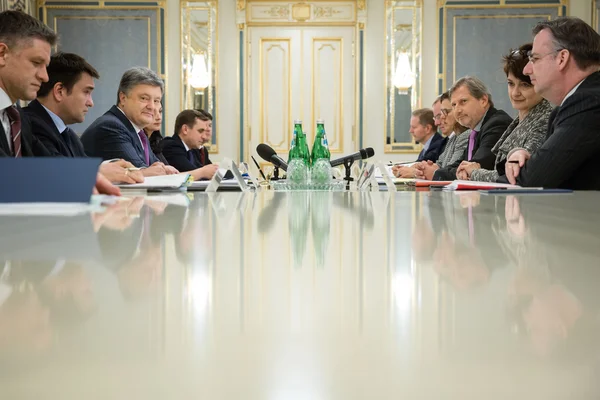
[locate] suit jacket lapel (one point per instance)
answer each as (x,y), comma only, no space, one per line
(63,138)
(130,129)
(4,142)
(41,111)
(551,121)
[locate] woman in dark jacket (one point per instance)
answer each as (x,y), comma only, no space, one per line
(154,136)
(527,131)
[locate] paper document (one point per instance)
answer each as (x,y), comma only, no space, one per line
(230,183)
(48,209)
(160,182)
(473,185)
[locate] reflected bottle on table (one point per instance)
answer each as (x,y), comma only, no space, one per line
(298,203)
(320,212)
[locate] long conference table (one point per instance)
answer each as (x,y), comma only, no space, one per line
(298,295)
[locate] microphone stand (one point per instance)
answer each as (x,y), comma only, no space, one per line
(275,176)
(347,165)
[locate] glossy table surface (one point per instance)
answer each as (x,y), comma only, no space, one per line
(282,296)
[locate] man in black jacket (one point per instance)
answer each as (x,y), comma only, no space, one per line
(473,108)
(63,100)
(25,45)
(183,150)
(563,66)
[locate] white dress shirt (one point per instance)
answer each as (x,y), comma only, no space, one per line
(571,92)
(4,103)
(137,128)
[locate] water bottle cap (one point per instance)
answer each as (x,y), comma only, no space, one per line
(320,121)
(297,122)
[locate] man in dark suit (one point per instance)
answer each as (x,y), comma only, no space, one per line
(25,45)
(24,53)
(119,133)
(473,108)
(424,131)
(183,149)
(63,100)
(567,76)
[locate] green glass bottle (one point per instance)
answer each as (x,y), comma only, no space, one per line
(294,147)
(320,147)
(302,146)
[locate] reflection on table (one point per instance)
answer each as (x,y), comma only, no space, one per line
(304,295)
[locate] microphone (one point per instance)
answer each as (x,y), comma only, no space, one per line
(267,153)
(359,155)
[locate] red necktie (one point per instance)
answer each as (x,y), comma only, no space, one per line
(202,156)
(15,129)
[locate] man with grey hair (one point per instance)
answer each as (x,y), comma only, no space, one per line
(474,109)
(119,133)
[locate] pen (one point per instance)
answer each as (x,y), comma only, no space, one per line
(258,166)
(133,169)
(514,162)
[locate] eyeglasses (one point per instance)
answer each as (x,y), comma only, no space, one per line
(533,58)
(444,113)
(518,54)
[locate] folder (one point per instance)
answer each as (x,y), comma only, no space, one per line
(160,183)
(47,179)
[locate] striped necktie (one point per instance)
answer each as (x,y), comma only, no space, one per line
(144,140)
(15,129)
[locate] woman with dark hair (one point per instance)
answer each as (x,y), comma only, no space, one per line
(527,131)
(154,136)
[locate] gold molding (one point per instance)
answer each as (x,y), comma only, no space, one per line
(301,12)
(442,6)
(262,70)
(501,16)
(326,42)
(595,6)
(389,64)
(212,52)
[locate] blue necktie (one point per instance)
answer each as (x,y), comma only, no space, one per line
(192,158)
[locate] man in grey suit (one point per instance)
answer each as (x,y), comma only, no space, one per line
(563,66)
(119,133)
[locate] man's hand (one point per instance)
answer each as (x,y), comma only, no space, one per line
(425,170)
(155,169)
(465,169)
(117,172)
(404,172)
(208,171)
(103,186)
(171,170)
(514,164)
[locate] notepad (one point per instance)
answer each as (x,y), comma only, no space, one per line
(163,182)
